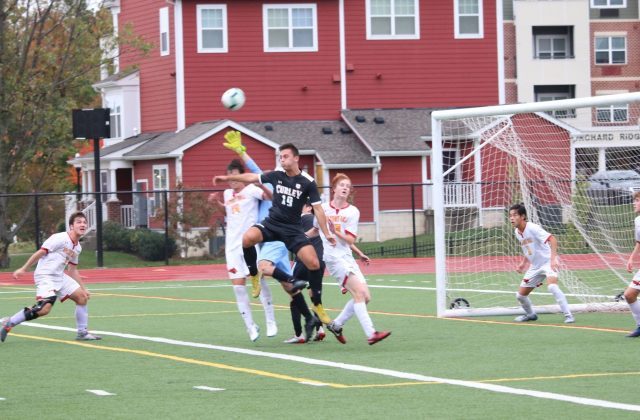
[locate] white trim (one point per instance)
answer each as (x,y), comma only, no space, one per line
(223,8)
(610,50)
(402,153)
(350,165)
(164,29)
(456,21)
(609,5)
(416,25)
(179,38)
(289,7)
(343,56)
(500,56)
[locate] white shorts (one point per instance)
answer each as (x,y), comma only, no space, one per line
(60,286)
(535,276)
(342,267)
(236,267)
(635,283)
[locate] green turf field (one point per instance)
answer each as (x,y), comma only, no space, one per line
(163,340)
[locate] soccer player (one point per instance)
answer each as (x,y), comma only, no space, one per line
(540,249)
(274,255)
(240,204)
(343,220)
(632,291)
(59,251)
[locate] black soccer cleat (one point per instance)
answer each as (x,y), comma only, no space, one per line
(310,326)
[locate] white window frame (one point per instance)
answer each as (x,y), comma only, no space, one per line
(224,29)
(289,7)
(612,108)
(554,96)
(416,35)
(164,31)
(609,5)
(610,50)
(458,15)
(115,121)
(157,196)
(538,38)
(457,173)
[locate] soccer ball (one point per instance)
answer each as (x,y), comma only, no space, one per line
(233,99)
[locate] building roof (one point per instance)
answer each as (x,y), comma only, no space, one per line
(332,141)
(169,142)
(391,131)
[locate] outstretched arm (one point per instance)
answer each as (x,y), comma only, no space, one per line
(32,260)
(247,178)
(360,254)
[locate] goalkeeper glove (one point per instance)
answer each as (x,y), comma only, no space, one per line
(234,142)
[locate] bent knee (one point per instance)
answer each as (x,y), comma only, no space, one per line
(630,295)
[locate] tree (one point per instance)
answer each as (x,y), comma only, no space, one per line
(50,54)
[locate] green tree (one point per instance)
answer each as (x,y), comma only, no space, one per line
(50,54)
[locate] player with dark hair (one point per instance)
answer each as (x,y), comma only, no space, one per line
(58,252)
(540,249)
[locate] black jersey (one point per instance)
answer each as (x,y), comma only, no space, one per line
(289,195)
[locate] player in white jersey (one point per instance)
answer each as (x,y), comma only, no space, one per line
(540,249)
(240,204)
(58,252)
(632,291)
(343,219)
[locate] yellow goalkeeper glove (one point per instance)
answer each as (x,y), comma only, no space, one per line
(234,142)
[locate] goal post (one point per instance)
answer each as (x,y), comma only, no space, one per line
(528,153)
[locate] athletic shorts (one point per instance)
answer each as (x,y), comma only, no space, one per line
(535,276)
(60,286)
(342,267)
(635,283)
(293,236)
(277,253)
(236,267)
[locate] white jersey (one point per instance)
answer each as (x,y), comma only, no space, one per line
(535,244)
(242,213)
(637,228)
(61,250)
(345,221)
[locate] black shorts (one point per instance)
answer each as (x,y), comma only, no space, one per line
(293,236)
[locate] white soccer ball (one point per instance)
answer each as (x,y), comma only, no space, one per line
(233,99)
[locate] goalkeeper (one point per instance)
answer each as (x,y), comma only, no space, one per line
(273,258)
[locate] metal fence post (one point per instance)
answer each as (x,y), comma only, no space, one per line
(165,205)
(413,220)
(37,220)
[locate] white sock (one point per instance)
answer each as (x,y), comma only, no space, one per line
(360,309)
(525,302)
(560,298)
(82,318)
(242,300)
(345,315)
(265,298)
(635,311)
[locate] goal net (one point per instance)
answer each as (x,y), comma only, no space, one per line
(487,159)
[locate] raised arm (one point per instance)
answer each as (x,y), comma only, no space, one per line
(247,178)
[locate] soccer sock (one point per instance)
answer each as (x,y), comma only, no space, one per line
(635,311)
(345,315)
(316,297)
(301,304)
(251,259)
(242,300)
(82,318)
(295,318)
(560,298)
(280,275)
(360,309)
(525,302)
(265,298)
(315,277)
(18,318)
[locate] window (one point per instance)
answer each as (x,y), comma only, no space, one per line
(212,28)
(608,4)
(555,93)
(612,114)
(468,19)
(392,19)
(553,42)
(290,27)
(450,157)
(164,31)
(611,49)
(160,182)
(104,184)
(115,122)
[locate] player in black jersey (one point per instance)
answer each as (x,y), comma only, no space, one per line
(292,188)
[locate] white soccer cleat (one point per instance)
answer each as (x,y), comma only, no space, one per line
(569,319)
(272,328)
(295,340)
(87,336)
(254,332)
(526,318)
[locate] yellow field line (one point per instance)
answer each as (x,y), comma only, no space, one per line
(184,360)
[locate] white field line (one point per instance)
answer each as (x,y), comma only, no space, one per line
(100,392)
(207,388)
(359,368)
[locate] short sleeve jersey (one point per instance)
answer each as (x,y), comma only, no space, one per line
(289,195)
(345,221)
(535,244)
(61,250)
(242,212)
(636,222)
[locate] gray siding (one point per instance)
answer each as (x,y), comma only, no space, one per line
(629,12)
